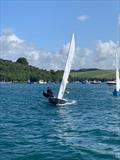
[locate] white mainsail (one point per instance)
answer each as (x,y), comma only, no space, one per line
(117,75)
(117,52)
(67,68)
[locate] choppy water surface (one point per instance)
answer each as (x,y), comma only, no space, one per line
(32,129)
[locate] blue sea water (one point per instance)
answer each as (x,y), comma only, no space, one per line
(32,129)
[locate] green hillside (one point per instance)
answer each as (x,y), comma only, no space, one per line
(94,74)
(14,71)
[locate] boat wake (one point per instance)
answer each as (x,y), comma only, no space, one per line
(68,102)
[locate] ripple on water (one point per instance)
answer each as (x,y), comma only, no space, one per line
(31,129)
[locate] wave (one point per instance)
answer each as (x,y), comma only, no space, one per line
(69,102)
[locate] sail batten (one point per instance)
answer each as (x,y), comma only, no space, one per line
(67,68)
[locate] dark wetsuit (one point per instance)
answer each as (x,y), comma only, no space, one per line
(49,92)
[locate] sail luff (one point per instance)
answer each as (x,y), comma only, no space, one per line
(67,68)
(117,75)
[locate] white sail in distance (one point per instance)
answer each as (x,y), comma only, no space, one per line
(117,74)
(67,68)
(117,52)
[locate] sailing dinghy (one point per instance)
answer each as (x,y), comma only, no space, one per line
(116,92)
(59,99)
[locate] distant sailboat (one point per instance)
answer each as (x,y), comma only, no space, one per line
(60,99)
(116,92)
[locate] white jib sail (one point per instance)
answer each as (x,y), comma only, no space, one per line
(67,68)
(117,75)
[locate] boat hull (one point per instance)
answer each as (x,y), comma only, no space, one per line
(116,93)
(55,101)
(111,82)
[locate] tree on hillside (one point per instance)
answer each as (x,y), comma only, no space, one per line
(22,60)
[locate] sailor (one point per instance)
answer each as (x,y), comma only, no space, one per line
(114,90)
(49,92)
